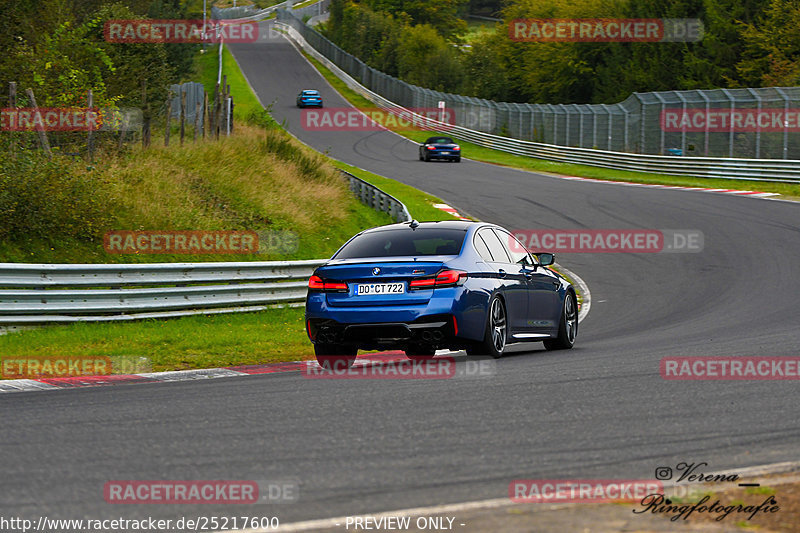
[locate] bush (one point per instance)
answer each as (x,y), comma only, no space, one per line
(48,200)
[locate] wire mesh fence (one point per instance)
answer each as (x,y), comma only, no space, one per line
(731,123)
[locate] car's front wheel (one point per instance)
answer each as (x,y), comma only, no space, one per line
(495,335)
(567,327)
(335,356)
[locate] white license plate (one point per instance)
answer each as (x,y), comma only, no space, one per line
(380,288)
(445,153)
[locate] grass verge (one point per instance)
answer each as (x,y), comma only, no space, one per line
(497,157)
(179,344)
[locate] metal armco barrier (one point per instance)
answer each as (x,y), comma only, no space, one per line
(56,293)
(772,170)
(377,199)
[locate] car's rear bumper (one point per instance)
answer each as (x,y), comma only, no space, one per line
(435,155)
(435,331)
(452,319)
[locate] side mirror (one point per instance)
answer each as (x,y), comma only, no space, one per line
(546,259)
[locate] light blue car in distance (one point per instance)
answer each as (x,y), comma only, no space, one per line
(309,98)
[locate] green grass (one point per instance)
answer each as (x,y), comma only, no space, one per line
(180,344)
(419,203)
(244,99)
(497,157)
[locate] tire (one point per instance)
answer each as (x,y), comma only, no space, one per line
(421,158)
(427,159)
(496,333)
(457,160)
(567,327)
(335,356)
(420,353)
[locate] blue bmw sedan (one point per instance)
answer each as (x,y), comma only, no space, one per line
(423,286)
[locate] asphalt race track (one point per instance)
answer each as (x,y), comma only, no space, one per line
(360,446)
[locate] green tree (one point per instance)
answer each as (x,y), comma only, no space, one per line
(772,47)
(425,58)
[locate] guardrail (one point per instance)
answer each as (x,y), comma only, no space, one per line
(222,14)
(377,199)
(772,170)
(53,293)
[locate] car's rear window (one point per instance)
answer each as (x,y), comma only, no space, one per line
(404,242)
(439,140)
(310,93)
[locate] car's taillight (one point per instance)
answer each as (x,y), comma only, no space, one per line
(316,283)
(456,147)
(421,283)
(445,278)
(431,147)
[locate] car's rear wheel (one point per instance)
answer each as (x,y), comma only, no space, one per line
(427,158)
(457,160)
(335,356)
(421,158)
(495,335)
(567,327)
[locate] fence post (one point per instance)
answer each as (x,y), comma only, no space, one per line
(206,112)
(197,120)
(222,103)
(169,118)
(12,103)
(228,109)
(183,113)
(45,144)
(145,116)
(216,112)
(785,122)
(90,133)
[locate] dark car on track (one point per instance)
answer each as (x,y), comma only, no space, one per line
(439,148)
(309,98)
(423,286)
